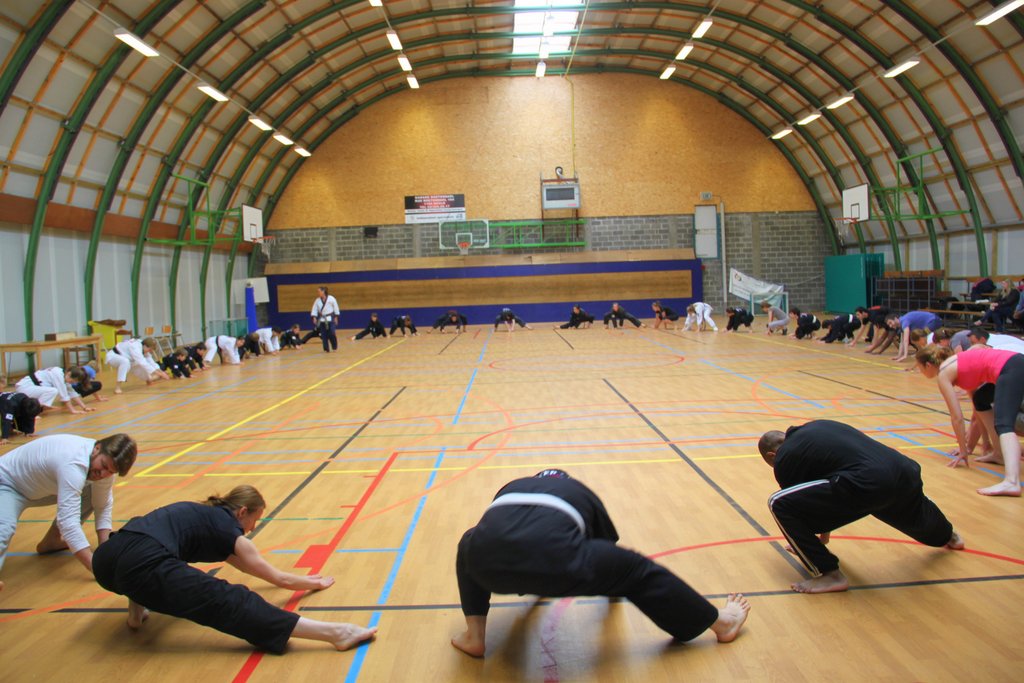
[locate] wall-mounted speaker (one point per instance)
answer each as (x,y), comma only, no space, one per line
(370,231)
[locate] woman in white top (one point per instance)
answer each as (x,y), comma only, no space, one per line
(47,385)
(138,356)
(270,339)
(699,315)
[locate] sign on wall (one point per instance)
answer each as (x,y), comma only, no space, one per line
(434,208)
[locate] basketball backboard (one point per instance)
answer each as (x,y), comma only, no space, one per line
(857,203)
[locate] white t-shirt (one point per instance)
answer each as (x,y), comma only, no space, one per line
(58,465)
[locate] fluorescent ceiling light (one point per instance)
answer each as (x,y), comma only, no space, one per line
(541,70)
(396,44)
(840,102)
(375,3)
(549,25)
(702,28)
(807,119)
(260,123)
(210,91)
(905,66)
(687,49)
(403,62)
(999,12)
(132,40)
(413,83)
(782,133)
(284,140)
(301,151)
(534,19)
(667,73)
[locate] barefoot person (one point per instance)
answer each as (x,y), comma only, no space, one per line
(147,561)
(71,471)
(831,475)
(550,535)
(971,370)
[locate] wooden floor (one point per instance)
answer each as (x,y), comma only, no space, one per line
(376,459)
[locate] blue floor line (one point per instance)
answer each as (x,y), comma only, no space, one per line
(360,655)
(766,386)
(943,453)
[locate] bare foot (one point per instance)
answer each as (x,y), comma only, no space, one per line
(51,542)
(991,457)
(832,582)
(1,585)
(469,644)
(1003,488)
(731,618)
(350,635)
(137,615)
(956,541)
(117,390)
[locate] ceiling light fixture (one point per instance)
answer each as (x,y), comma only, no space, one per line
(840,102)
(284,139)
(905,66)
(702,28)
(396,44)
(782,133)
(376,3)
(403,62)
(667,73)
(687,49)
(301,151)
(133,41)
(210,91)
(413,83)
(542,68)
(807,119)
(260,123)
(999,12)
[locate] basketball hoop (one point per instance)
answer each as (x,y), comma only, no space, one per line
(851,223)
(265,243)
(464,247)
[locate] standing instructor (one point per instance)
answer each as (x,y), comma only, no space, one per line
(325,314)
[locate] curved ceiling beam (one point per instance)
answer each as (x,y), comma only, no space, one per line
(27,47)
(826,219)
(942,134)
(69,133)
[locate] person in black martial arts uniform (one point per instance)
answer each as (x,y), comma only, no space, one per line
(550,535)
(250,345)
(577,318)
(147,561)
(453,318)
(403,323)
(510,319)
(292,337)
(831,475)
(617,314)
(839,328)
(375,328)
(195,357)
(176,363)
(17,412)
(663,315)
(806,323)
(872,321)
(737,317)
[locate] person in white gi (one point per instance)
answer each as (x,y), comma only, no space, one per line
(52,383)
(137,355)
(270,339)
(325,314)
(699,314)
(228,348)
(75,473)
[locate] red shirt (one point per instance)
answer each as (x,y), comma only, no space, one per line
(979,365)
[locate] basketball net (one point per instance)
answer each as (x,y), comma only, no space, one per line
(464,248)
(265,243)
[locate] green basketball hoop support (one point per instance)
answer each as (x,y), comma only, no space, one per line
(519,234)
(214,220)
(892,195)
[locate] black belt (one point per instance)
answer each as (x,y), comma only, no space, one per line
(35,380)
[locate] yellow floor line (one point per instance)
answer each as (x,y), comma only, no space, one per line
(826,353)
(172,458)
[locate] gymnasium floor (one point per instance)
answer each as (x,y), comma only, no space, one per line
(376,459)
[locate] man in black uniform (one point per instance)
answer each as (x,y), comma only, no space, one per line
(452,317)
(737,317)
(550,535)
(403,323)
(374,328)
(510,319)
(17,411)
(577,318)
(176,363)
(806,323)
(839,328)
(617,314)
(195,357)
(663,315)
(292,337)
(831,475)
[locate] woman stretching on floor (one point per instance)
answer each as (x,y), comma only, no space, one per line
(147,561)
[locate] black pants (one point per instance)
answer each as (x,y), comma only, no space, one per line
(816,507)
(94,387)
(735,320)
(1006,396)
(137,566)
(603,568)
(807,329)
(328,336)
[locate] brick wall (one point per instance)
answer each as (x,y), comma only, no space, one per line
(787,247)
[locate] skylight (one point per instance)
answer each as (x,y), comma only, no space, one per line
(561,18)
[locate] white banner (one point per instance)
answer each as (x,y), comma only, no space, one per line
(749,288)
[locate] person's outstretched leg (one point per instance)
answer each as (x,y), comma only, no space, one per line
(342,636)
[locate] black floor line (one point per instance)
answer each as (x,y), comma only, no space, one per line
(876,393)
